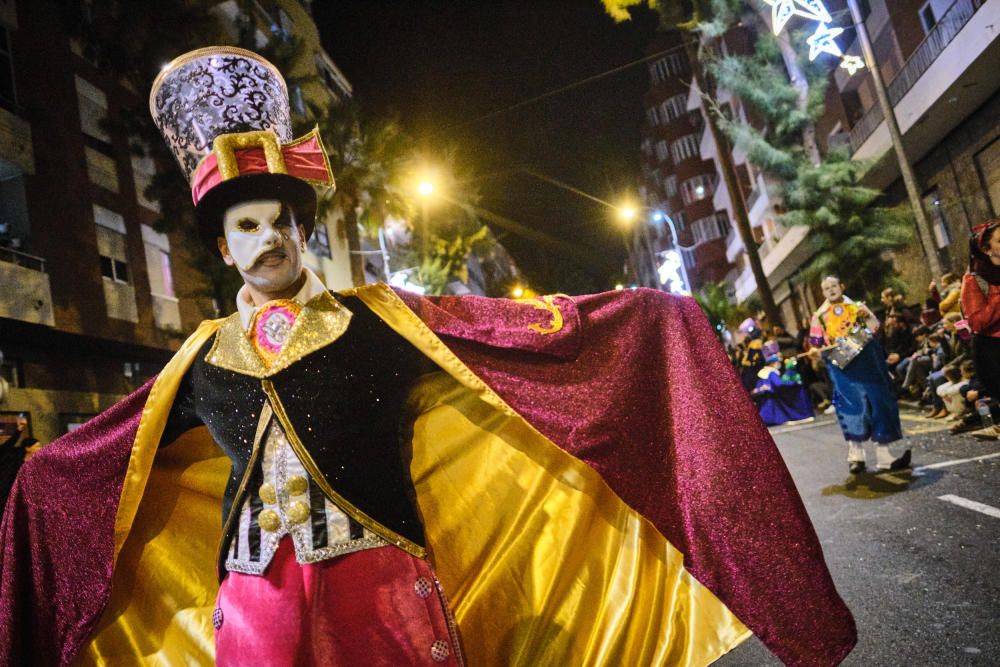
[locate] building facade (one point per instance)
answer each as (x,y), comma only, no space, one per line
(939,60)
(93,300)
(678,178)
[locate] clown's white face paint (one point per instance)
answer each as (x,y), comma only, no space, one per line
(265,245)
(832,289)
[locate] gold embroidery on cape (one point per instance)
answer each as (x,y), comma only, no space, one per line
(340,501)
(322,321)
(546,303)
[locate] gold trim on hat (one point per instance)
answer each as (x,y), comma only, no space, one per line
(225,146)
(185,58)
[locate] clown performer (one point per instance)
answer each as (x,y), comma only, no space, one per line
(863,395)
(373,477)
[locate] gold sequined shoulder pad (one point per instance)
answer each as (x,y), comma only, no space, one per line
(322,321)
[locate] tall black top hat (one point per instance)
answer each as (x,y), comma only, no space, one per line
(224,114)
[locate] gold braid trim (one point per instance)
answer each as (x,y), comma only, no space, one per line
(226,145)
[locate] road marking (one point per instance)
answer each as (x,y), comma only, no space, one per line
(988,510)
(954,462)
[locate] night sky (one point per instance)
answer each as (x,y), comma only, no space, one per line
(442,66)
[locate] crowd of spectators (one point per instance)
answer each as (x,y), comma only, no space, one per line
(943,354)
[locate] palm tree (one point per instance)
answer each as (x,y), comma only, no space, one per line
(369,158)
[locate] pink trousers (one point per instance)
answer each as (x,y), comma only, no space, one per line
(373,607)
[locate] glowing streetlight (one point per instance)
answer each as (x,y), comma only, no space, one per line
(425,189)
(627,213)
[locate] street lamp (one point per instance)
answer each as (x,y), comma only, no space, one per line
(425,188)
(629,213)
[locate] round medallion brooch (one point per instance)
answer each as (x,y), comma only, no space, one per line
(273,326)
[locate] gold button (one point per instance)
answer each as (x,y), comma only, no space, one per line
(297,512)
(269,520)
(297,485)
(267,493)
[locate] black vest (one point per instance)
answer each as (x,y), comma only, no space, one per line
(345,402)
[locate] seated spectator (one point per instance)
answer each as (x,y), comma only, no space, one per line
(921,357)
(899,342)
(971,389)
(950,290)
(953,402)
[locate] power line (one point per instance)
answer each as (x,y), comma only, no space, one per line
(563,89)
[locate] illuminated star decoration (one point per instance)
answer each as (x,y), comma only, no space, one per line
(783,10)
(852,64)
(822,41)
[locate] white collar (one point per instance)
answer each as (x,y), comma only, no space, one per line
(311,288)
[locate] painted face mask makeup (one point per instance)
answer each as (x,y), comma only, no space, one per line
(257,227)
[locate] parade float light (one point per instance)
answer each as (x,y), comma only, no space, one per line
(517,292)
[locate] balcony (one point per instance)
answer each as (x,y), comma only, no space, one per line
(26,289)
(949,75)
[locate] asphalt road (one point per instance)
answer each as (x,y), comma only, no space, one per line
(920,573)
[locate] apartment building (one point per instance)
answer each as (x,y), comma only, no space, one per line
(939,60)
(678,178)
(93,300)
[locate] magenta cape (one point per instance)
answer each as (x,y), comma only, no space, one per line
(633,384)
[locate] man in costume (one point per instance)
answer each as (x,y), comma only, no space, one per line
(843,331)
(383,460)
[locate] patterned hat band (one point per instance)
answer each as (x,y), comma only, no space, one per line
(258,152)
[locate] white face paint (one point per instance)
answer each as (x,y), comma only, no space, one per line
(833,291)
(255,227)
(264,243)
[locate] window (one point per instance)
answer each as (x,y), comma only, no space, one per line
(8,94)
(662,151)
(319,242)
(166,311)
(673,108)
(93,104)
(119,295)
(680,220)
(689,258)
(143,171)
(652,116)
(667,67)
(684,148)
(928,16)
(101,169)
(111,244)
(670,186)
(157,246)
(709,228)
(15,224)
(697,188)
